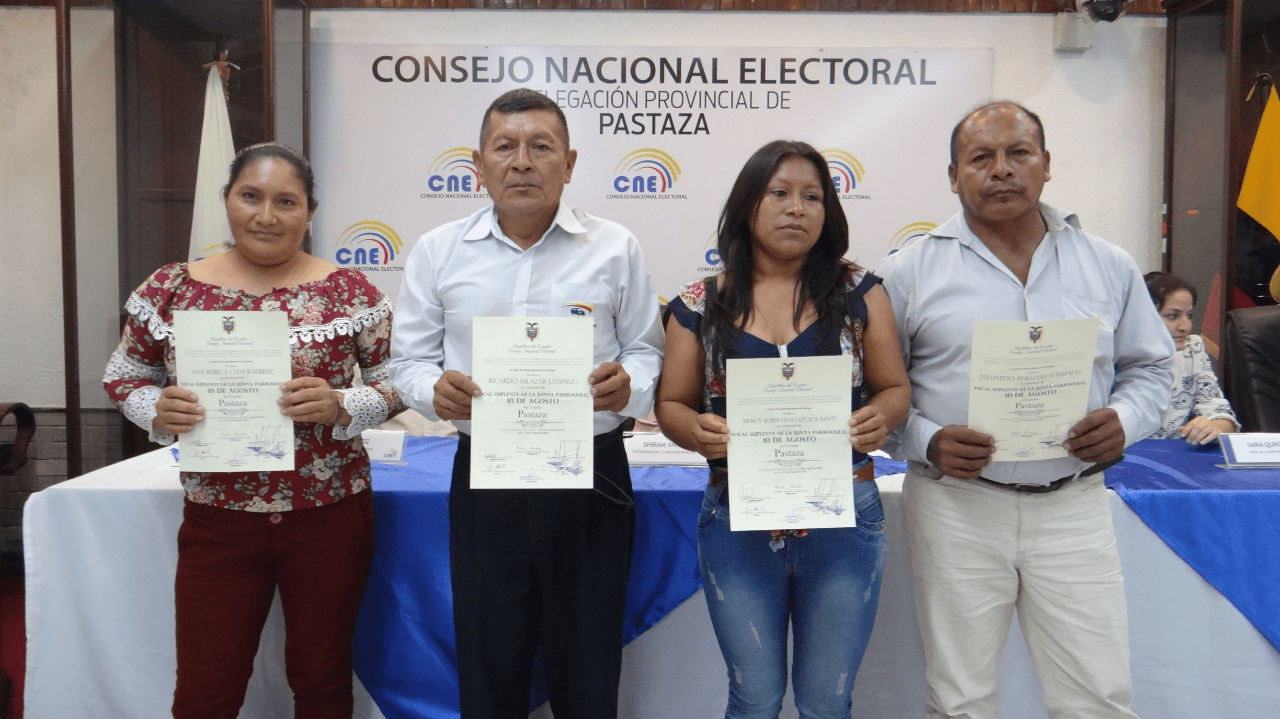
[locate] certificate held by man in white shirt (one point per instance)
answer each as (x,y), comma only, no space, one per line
(532,423)
(1029,384)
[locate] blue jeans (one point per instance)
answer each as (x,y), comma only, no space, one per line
(826,584)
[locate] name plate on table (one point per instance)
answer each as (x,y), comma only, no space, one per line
(1250,450)
(654,450)
(384,445)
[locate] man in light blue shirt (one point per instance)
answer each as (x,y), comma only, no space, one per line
(543,567)
(986,536)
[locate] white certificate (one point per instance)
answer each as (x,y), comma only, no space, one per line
(790,464)
(531,428)
(235,362)
(1029,384)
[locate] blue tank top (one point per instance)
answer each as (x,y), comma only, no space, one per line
(689,307)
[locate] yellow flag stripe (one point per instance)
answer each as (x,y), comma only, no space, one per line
(1260,191)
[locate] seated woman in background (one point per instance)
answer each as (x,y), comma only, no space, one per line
(1198,412)
(307,531)
(786,291)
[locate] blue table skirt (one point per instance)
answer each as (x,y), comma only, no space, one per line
(1224,523)
(404,648)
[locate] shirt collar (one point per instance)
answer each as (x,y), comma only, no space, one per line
(486,225)
(1055,221)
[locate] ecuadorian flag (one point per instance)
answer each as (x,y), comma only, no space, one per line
(1260,192)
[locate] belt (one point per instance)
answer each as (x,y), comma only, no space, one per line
(862,474)
(1056,484)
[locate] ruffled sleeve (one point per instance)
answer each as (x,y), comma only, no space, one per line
(136,373)
(370,323)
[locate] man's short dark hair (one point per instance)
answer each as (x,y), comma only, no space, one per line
(955,131)
(523,100)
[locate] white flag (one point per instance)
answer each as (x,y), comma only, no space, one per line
(210,233)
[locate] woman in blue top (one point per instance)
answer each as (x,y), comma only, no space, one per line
(786,291)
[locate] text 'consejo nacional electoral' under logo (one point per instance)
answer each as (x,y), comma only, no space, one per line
(847,173)
(453,174)
(647,173)
(368,245)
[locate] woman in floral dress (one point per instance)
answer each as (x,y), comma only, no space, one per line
(307,532)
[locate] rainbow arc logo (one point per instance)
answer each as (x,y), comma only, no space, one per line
(454,171)
(368,243)
(910,233)
(647,170)
(846,171)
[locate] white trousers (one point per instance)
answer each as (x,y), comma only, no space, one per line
(979,551)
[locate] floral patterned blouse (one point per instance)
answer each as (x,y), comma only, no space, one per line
(334,324)
(1195,391)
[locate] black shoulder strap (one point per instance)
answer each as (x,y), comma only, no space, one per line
(854,306)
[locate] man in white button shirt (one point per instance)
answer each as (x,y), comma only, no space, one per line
(986,536)
(542,567)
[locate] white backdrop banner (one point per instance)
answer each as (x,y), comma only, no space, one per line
(661,133)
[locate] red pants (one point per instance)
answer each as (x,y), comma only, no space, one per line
(230,563)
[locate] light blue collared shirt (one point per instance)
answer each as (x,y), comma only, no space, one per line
(469,268)
(943,283)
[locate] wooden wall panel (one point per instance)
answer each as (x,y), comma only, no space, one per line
(1138,7)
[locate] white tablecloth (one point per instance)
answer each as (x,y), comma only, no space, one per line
(101,551)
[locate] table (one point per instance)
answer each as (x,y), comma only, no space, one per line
(100,556)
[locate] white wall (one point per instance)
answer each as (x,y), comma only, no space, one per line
(30,209)
(1103,109)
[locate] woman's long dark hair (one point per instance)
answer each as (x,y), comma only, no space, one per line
(822,277)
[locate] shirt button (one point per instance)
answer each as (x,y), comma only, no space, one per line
(276,518)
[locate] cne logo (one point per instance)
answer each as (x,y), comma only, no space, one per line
(453,174)
(368,245)
(711,255)
(647,173)
(847,173)
(909,234)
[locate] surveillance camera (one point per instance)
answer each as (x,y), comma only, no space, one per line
(1102,10)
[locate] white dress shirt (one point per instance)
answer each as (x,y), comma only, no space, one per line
(943,283)
(469,268)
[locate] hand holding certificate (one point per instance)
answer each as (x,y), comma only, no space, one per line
(531,427)
(1029,384)
(789,453)
(235,362)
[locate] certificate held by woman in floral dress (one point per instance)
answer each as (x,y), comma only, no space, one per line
(235,362)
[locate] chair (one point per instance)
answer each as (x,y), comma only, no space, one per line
(14,454)
(1252,344)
